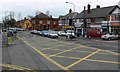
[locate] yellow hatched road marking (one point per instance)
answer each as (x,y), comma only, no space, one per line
(15,67)
(104,61)
(82,51)
(63,51)
(114,53)
(54,47)
(59,65)
(83,59)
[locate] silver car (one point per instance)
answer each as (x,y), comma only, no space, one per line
(109,37)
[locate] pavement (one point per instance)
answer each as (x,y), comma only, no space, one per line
(18,56)
(0,50)
(34,52)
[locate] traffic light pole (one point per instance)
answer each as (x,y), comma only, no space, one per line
(84,23)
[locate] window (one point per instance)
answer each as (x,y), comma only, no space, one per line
(40,27)
(48,22)
(37,22)
(99,19)
(48,26)
(117,18)
(44,27)
(54,26)
(54,22)
(88,20)
(40,22)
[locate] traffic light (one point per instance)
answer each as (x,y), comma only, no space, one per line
(70,22)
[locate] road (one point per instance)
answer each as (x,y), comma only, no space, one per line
(41,53)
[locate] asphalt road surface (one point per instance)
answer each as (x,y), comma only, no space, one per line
(41,53)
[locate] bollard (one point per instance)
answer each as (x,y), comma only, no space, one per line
(9,40)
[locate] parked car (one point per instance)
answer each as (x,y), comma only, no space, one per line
(52,34)
(20,29)
(13,29)
(118,35)
(93,33)
(34,32)
(45,33)
(70,34)
(39,33)
(109,37)
(10,33)
(61,33)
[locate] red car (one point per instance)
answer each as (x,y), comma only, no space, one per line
(93,33)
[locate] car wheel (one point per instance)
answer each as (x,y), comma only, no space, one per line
(89,37)
(109,38)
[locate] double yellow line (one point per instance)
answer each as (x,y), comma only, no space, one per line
(14,67)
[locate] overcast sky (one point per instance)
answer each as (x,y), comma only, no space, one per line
(55,7)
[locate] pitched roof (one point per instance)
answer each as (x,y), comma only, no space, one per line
(69,15)
(96,12)
(42,15)
(60,17)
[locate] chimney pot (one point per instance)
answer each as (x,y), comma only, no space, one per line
(98,6)
(88,8)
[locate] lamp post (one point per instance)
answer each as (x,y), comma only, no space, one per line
(84,23)
(72,20)
(72,4)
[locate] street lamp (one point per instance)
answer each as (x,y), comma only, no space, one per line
(72,4)
(72,20)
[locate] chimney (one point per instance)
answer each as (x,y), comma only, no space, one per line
(98,6)
(70,11)
(88,8)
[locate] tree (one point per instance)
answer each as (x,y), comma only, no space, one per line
(12,22)
(29,17)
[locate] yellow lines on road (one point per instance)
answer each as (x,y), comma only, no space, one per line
(107,53)
(104,61)
(63,51)
(52,47)
(48,58)
(114,53)
(14,67)
(83,58)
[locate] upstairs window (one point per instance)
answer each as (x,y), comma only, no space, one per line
(41,22)
(48,22)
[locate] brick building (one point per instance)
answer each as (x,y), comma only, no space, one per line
(45,22)
(105,19)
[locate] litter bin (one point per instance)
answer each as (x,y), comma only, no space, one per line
(9,40)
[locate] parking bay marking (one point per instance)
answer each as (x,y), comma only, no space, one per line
(104,61)
(83,58)
(48,58)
